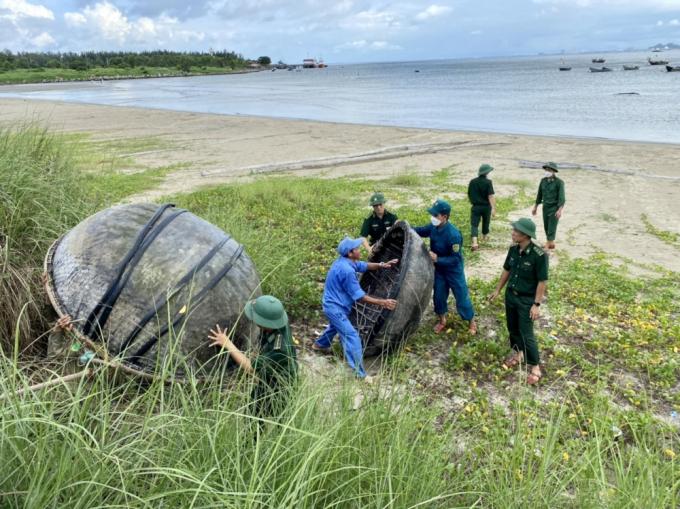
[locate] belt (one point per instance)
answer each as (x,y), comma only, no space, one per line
(520,294)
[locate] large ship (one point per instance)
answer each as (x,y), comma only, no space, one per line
(313,63)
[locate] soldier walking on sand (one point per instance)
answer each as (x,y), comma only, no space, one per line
(483,200)
(526,273)
(551,195)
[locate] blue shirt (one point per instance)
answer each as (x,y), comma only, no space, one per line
(342,286)
(446,242)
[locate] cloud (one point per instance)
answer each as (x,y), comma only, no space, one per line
(674,22)
(111,24)
(18,9)
(372,19)
(43,40)
(433,11)
(363,44)
(74,19)
(628,4)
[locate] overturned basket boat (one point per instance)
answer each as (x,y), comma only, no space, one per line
(409,282)
(147,282)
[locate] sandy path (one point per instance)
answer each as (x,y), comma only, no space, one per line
(604,209)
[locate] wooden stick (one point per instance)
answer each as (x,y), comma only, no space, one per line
(50,383)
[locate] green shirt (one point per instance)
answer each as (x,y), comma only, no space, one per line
(276,370)
(551,193)
(479,190)
(374,227)
(527,268)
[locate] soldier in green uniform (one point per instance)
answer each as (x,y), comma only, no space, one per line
(551,194)
(526,273)
(483,200)
(375,225)
(275,366)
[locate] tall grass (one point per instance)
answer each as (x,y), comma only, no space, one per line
(40,197)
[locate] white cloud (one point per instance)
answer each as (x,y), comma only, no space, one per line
(18,9)
(43,40)
(433,11)
(363,44)
(74,19)
(674,22)
(372,19)
(108,22)
(659,23)
(635,4)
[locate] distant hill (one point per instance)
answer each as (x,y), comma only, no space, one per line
(668,45)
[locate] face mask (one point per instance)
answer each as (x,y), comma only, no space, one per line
(548,174)
(435,221)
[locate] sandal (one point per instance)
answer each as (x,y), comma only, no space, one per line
(439,327)
(533,378)
(514,360)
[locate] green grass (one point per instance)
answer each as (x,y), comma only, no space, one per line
(670,238)
(446,427)
(17,76)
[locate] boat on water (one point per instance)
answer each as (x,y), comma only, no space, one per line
(631,67)
(600,69)
(565,68)
(313,63)
(671,68)
(657,62)
(598,60)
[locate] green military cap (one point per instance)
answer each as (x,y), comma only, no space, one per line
(440,207)
(550,166)
(526,226)
(267,311)
(484,169)
(377,199)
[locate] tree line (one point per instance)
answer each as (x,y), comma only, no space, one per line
(121,59)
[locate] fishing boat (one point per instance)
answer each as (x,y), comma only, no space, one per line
(657,62)
(671,68)
(631,67)
(600,69)
(598,60)
(564,68)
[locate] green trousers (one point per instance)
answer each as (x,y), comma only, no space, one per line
(477,213)
(521,326)
(550,222)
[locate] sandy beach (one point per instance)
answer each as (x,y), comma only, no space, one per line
(610,188)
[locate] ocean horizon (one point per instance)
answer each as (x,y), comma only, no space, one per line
(516,95)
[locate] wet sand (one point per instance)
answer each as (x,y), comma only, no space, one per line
(616,185)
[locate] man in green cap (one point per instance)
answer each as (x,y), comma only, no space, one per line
(551,194)
(375,225)
(275,366)
(483,200)
(526,273)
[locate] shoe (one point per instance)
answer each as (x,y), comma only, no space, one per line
(439,327)
(320,349)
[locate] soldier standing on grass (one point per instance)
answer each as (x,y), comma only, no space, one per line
(375,225)
(483,200)
(551,194)
(526,273)
(446,252)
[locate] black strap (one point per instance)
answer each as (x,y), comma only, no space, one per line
(161,300)
(101,312)
(197,300)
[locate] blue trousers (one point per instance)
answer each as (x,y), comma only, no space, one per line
(453,280)
(349,339)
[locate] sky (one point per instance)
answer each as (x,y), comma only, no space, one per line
(340,31)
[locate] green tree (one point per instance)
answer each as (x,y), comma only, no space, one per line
(264,60)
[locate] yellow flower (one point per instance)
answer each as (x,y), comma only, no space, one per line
(669,453)
(565,456)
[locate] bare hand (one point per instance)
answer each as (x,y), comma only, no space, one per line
(558,214)
(433,256)
(391,263)
(493,296)
(493,212)
(64,323)
(534,312)
(389,304)
(219,338)
(533,211)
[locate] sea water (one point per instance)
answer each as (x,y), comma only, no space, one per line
(524,95)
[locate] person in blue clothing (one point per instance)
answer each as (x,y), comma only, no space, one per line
(341,291)
(446,251)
